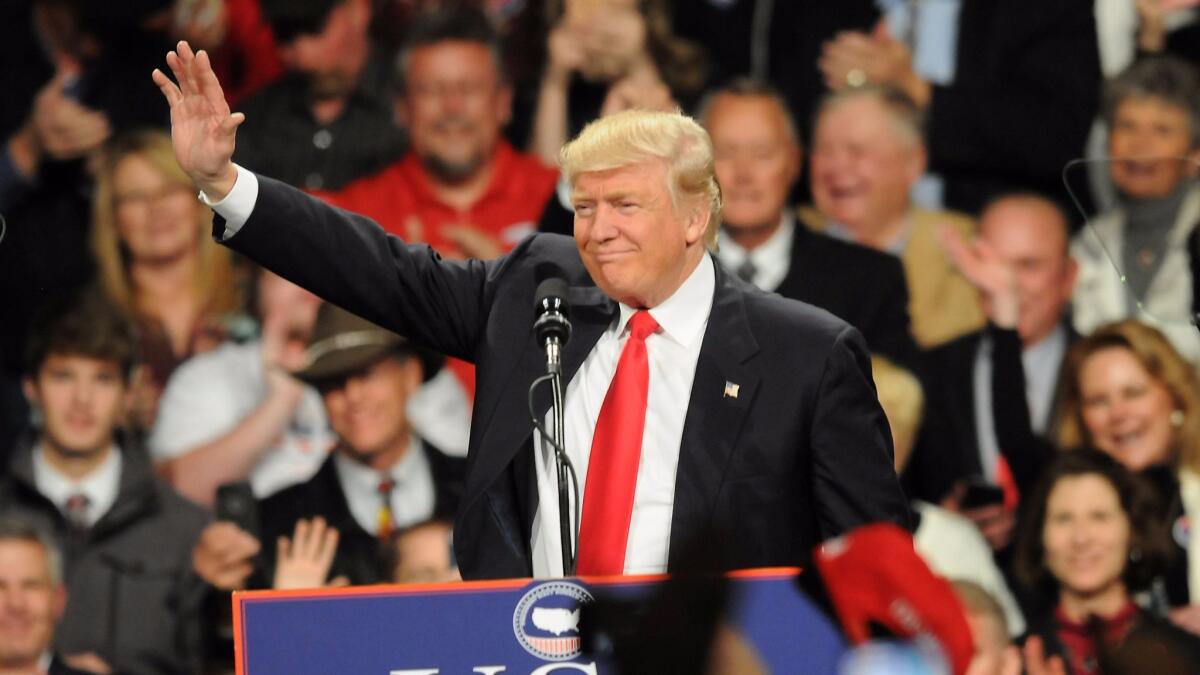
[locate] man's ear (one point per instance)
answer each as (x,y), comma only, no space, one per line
(697,223)
(1072,275)
(414,374)
(31,391)
(795,160)
(918,162)
(400,111)
(504,101)
(60,601)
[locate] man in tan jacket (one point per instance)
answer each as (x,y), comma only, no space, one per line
(867,153)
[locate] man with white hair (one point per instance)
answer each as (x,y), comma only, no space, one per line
(694,402)
(32,599)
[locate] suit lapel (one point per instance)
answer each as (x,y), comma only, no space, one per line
(591,314)
(722,393)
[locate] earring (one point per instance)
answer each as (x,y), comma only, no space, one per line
(1177,418)
(1135,554)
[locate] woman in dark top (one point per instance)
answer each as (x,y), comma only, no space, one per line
(1093,539)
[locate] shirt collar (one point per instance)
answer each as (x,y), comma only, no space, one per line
(1054,343)
(677,315)
(100,486)
(502,160)
(365,479)
(777,246)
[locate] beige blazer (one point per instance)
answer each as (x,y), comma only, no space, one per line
(942,304)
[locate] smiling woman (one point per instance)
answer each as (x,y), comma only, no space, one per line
(150,238)
(1129,394)
(1095,539)
(1153,115)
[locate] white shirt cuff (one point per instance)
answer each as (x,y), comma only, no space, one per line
(237,206)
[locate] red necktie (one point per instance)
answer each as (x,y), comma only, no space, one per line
(616,451)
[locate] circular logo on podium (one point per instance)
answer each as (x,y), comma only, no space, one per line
(546,620)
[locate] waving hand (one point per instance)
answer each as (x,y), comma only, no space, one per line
(202,128)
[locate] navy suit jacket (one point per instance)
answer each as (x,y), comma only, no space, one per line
(800,454)
(864,286)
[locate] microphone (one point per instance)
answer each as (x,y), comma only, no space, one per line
(552,326)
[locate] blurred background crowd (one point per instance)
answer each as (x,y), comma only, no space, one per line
(175,423)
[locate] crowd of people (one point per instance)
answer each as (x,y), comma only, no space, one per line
(177,423)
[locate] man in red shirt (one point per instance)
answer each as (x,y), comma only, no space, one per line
(461,187)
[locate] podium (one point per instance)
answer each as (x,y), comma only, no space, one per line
(524,626)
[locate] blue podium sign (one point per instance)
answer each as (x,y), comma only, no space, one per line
(525,627)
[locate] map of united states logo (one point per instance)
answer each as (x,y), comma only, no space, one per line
(546,620)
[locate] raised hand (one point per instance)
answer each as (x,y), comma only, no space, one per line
(304,560)
(202,128)
(995,279)
(1036,661)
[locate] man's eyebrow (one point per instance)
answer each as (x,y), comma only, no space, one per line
(612,196)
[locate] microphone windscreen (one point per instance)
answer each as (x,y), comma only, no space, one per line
(554,287)
(874,575)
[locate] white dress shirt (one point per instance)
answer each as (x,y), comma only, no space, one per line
(771,259)
(412,498)
(672,354)
(100,486)
(1041,364)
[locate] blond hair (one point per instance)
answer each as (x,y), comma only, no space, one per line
(215,283)
(635,136)
(1155,353)
(977,601)
(903,402)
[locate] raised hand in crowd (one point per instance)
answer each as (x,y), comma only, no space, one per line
(613,40)
(1036,663)
(59,128)
(1152,21)
(472,242)
(282,354)
(304,560)
(995,279)
(996,523)
(855,58)
(88,662)
(202,23)
(1186,617)
(603,43)
(224,556)
(203,130)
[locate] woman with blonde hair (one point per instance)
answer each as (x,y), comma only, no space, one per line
(1128,393)
(156,258)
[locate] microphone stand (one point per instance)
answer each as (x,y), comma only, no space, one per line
(554,366)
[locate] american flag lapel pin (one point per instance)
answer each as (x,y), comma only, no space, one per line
(731,389)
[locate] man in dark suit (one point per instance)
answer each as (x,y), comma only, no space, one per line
(757,160)
(705,403)
(380,478)
(990,386)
